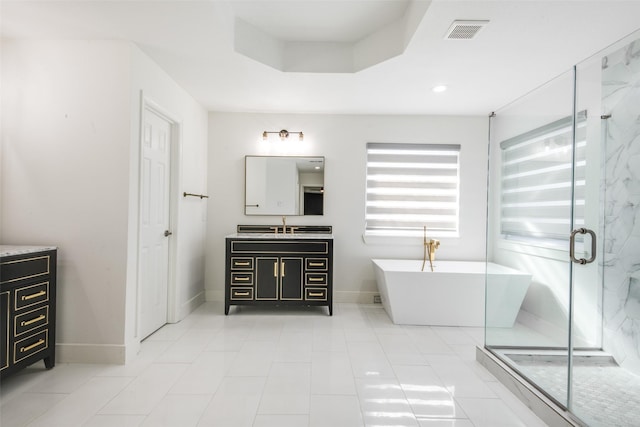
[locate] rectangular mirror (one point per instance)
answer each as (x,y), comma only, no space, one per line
(284,185)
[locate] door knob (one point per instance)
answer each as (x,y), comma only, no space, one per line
(167,233)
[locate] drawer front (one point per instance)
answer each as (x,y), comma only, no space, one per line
(279,247)
(320,264)
(241,263)
(241,293)
(30,345)
(315,294)
(27,296)
(23,269)
(315,279)
(242,278)
(31,320)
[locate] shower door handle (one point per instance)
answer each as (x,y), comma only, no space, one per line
(572,243)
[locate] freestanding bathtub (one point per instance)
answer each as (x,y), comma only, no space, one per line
(452,295)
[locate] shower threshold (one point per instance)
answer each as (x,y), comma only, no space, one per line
(604,393)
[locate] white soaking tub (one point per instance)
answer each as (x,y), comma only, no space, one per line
(452,295)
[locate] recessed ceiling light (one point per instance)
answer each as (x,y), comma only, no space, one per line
(439,88)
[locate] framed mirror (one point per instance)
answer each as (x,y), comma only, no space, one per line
(284,185)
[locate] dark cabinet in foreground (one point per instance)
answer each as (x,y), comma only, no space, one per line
(279,271)
(27,307)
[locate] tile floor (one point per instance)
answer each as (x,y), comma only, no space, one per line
(287,368)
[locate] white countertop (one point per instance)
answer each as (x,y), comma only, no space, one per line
(8,250)
(279,236)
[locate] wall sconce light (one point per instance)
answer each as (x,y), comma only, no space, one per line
(283,134)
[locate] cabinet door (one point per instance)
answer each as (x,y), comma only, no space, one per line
(291,278)
(267,273)
(4,330)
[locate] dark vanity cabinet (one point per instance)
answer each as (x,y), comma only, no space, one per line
(27,307)
(279,271)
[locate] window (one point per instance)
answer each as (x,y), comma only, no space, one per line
(410,186)
(536,193)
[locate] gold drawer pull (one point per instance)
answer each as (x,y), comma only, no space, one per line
(241,294)
(32,346)
(316,294)
(316,279)
(242,263)
(316,264)
(29,322)
(36,295)
(242,279)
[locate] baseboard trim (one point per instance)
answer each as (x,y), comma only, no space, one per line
(355,297)
(210,295)
(111,354)
(190,305)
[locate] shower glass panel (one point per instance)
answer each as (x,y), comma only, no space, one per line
(590,366)
(530,212)
(564,210)
(606,384)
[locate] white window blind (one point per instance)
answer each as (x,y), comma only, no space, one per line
(410,186)
(536,195)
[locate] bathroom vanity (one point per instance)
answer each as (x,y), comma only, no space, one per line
(267,267)
(27,307)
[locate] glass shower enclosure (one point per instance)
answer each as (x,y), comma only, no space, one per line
(564,210)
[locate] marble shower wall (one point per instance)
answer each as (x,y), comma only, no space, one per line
(621,265)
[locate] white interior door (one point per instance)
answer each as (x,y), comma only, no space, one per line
(154,223)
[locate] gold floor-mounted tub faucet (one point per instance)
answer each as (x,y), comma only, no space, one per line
(430,248)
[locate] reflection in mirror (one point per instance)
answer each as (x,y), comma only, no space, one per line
(284,185)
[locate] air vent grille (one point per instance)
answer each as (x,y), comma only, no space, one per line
(464,30)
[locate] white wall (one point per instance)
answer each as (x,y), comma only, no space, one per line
(342,140)
(65,146)
(70,115)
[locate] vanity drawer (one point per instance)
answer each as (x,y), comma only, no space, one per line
(31,320)
(30,345)
(315,294)
(242,278)
(241,263)
(273,247)
(315,279)
(30,295)
(241,293)
(316,264)
(23,269)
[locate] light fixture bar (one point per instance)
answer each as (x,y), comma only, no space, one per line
(283,134)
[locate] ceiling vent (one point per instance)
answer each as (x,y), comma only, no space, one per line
(464,30)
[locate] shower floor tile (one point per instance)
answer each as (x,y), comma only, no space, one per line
(604,394)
